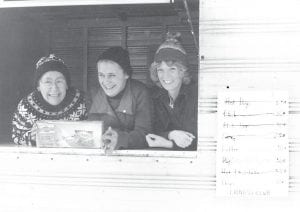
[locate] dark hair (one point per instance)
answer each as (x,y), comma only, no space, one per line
(118,55)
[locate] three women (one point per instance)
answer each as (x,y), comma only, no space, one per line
(132,118)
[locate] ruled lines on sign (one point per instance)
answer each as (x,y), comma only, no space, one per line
(252,143)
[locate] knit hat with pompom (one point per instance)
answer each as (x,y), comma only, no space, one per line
(51,63)
(171,50)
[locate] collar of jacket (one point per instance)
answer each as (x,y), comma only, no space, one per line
(100,102)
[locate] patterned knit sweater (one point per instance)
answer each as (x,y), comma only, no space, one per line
(33,107)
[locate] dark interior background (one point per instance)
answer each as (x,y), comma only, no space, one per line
(78,34)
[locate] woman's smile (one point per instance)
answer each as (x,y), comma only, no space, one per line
(167,81)
(112,77)
(53,87)
(108,87)
(54,95)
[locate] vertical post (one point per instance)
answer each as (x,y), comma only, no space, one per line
(85,59)
(124,35)
(190,23)
(165,30)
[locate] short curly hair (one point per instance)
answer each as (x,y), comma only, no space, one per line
(153,71)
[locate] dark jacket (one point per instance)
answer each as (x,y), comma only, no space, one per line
(131,118)
(182,117)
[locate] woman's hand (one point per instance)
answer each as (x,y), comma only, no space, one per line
(182,139)
(109,140)
(158,141)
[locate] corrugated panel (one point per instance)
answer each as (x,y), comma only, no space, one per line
(249,45)
(212,82)
(267,10)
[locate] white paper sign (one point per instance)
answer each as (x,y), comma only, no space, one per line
(72,134)
(252,149)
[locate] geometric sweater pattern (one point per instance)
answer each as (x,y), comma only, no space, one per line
(33,108)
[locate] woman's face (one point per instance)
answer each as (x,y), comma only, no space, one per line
(111,77)
(170,76)
(53,87)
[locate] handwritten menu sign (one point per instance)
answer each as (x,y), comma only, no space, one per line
(252,149)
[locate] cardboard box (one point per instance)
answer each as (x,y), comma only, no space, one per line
(74,134)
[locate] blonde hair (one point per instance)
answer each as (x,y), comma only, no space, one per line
(153,71)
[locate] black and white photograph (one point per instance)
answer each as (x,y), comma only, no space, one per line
(154,105)
(99,103)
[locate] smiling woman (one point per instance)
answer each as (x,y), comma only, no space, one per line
(175,99)
(52,79)
(53,87)
(51,100)
(121,102)
(78,35)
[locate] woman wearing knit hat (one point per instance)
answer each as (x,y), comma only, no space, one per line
(122,103)
(53,99)
(175,98)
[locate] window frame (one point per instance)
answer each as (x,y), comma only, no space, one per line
(153,153)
